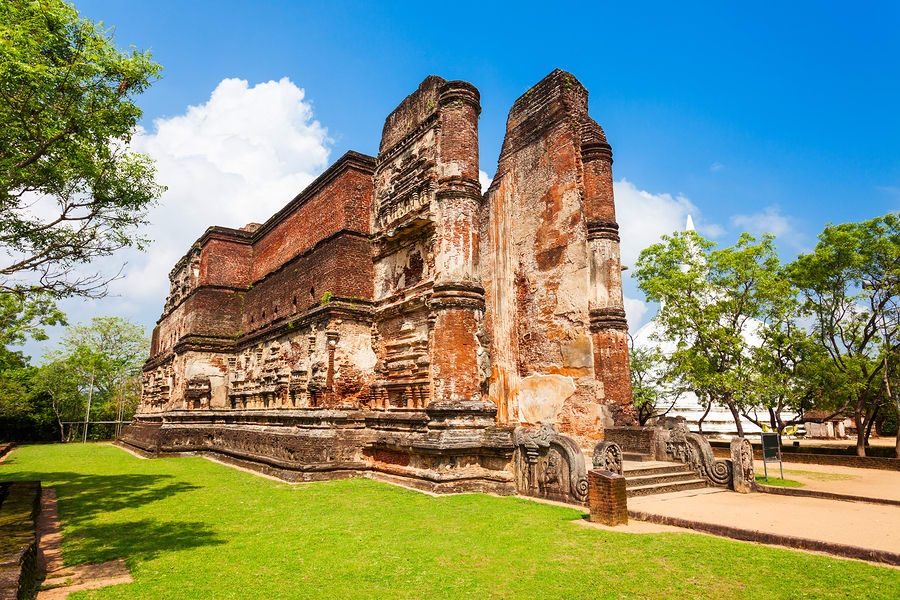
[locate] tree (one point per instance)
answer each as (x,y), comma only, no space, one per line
(96,370)
(890,329)
(710,302)
(849,284)
(791,371)
(23,318)
(60,382)
(70,189)
(653,391)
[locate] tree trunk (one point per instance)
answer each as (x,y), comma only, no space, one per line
(859,417)
(62,430)
(703,418)
(869,424)
(737,417)
(87,413)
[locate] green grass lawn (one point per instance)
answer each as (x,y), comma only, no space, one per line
(189,528)
(777,481)
(821,476)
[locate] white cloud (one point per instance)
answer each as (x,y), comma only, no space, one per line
(716,167)
(237,158)
(644,217)
(635,311)
(770,220)
(485,181)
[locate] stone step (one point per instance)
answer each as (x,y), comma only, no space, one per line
(664,488)
(635,457)
(641,480)
(654,468)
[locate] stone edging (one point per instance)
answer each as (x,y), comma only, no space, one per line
(6,449)
(785,491)
(18,554)
(838,460)
(762,537)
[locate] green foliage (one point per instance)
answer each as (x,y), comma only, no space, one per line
(189,528)
(850,285)
(654,391)
(101,361)
(70,189)
(326,298)
(709,300)
(824,327)
(23,317)
(25,415)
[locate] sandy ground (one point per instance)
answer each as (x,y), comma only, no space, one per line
(853,523)
(874,483)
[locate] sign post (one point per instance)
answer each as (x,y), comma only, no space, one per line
(771,450)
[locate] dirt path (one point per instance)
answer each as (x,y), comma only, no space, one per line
(59,580)
(869,526)
(873,483)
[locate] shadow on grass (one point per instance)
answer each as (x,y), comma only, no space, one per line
(83,496)
(144,540)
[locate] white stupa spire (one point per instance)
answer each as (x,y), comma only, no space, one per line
(689,226)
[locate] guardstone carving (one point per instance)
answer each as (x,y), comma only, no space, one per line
(549,465)
(743,479)
(608,456)
(694,450)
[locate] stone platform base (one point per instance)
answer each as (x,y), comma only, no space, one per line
(409,448)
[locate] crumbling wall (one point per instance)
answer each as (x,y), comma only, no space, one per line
(540,270)
(428,290)
(390,316)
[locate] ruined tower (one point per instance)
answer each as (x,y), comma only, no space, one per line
(550,255)
(391,320)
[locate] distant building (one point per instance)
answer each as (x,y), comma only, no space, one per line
(821,424)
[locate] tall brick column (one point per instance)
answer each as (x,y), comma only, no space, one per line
(458,296)
(609,329)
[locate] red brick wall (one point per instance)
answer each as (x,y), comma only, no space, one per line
(343,203)
(607,498)
(226,263)
(342,266)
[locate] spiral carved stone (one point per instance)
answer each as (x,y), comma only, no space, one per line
(549,465)
(694,450)
(720,473)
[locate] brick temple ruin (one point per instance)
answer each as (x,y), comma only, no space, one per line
(393,320)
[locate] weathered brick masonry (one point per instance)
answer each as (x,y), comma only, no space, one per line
(392,319)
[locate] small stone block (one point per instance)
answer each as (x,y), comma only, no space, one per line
(607,498)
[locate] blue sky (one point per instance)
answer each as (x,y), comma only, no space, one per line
(762,116)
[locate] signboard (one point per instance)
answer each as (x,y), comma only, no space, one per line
(771,451)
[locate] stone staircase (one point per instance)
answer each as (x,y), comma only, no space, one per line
(648,477)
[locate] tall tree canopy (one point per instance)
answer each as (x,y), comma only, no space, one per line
(70,188)
(710,301)
(850,285)
(99,363)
